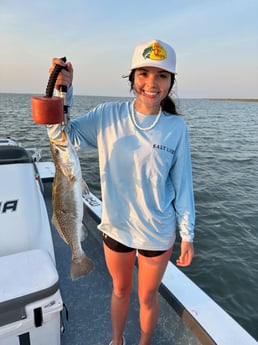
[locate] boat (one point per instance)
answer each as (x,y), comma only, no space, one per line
(40,304)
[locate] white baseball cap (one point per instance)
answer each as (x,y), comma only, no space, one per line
(154,53)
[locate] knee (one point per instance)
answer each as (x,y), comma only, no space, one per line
(149,298)
(122,292)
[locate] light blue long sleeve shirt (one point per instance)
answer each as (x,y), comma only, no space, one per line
(146,176)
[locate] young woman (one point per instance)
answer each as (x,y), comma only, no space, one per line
(146,181)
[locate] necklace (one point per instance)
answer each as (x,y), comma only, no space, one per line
(144,128)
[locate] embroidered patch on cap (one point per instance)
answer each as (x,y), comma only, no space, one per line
(155,52)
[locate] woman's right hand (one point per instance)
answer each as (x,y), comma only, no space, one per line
(65,77)
(186,255)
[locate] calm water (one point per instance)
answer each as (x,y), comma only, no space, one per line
(225,171)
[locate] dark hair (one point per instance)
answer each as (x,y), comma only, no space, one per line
(167,104)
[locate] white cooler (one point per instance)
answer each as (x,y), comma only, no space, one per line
(30,300)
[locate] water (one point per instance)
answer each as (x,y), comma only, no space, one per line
(225,164)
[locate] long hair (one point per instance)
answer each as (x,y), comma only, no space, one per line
(167,104)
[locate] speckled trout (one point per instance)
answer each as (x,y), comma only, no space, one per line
(67,192)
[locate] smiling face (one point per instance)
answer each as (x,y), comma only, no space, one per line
(151,86)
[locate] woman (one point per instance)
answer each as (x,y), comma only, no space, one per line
(146,181)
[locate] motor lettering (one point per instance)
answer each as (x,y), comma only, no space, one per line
(10,205)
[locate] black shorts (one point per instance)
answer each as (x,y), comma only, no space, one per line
(121,248)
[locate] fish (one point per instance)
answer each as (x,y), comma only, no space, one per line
(68,188)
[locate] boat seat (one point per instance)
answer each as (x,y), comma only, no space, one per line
(13,154)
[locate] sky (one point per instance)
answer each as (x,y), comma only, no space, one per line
(216,43)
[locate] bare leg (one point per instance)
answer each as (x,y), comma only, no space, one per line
(150,274)
(120,266)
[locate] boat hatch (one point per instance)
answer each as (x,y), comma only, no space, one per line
(13,154)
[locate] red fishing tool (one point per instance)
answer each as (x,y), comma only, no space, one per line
(49,109)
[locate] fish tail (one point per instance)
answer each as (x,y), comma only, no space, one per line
(81,267)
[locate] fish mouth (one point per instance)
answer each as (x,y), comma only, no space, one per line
(62,143)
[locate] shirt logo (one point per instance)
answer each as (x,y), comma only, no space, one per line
(154,52)
(163,148)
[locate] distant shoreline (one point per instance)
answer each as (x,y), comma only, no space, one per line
(233,99)
(196,98)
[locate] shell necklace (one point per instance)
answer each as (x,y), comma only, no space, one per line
(144,128)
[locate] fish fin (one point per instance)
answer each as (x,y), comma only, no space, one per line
(55,223)
(85,188)
(83,233)
(81,267)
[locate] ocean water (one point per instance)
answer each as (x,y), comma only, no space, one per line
(223,136)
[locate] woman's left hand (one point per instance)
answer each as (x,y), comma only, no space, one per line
(187,253)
